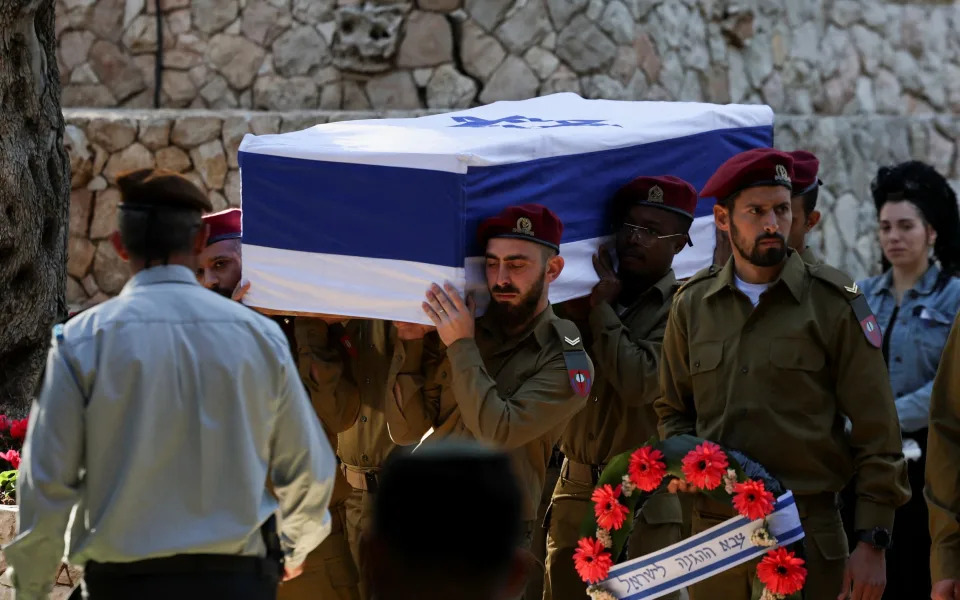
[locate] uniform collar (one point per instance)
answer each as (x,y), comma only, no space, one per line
(160,274)
(923,287)
(792,276)
(664,287)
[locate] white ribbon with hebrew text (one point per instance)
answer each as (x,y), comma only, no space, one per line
(701,556)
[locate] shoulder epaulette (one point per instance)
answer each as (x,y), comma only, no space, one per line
(575,356)
(840,281)
(701,275)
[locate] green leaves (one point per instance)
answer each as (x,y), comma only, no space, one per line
(8,485)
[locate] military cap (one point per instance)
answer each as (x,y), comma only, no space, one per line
(160,189)
(805,167)
(224,225)
(665,191)
(531,222)
(753,168)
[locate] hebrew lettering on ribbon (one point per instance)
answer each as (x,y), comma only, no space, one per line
(734,542)
(644,577)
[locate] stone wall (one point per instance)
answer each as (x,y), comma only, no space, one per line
(203,146)
(829,57)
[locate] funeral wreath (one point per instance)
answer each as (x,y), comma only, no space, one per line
(766,509)
(12,434)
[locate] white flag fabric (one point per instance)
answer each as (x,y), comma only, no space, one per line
(358,218)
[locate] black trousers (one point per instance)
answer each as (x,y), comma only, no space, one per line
(192,586)
(908,560)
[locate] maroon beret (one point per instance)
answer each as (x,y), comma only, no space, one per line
(805,167)
(531,222)
(753,168)
(665,191)
(160,189)
(224,225)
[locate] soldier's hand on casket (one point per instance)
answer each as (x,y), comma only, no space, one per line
(240,291)
(448,311)
(608,288)
(412,331)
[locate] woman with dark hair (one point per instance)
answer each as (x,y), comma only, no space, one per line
(915,301)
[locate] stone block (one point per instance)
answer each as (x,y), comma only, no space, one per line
(299,51)
(263,22)
(211,16)
(210,161)
(112,134)
(135,156)
(190,132)
(234,128)
(80,253)
(487,13)
(480,53)
(394,90)
(81,158)
(277,93)
(74,47)
(514,80)
(584,47)
(543,62)
(236,58)
(81,206)
(427,41)
(439,5)
(116,70)
(448,88)
(104,213)
(525,27)
(366,37)
(109,270)
(231,188)
(75,294)
(174,159)
(155,133)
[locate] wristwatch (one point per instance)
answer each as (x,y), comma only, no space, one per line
(878,537)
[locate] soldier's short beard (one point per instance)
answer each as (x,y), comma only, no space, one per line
(767,257)
(223,292)
(511,317)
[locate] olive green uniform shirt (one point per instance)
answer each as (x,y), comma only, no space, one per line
(625,349)
(349,369)
(512,392)
(776,382)
(943,463)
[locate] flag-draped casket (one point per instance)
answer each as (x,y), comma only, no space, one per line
(357,218)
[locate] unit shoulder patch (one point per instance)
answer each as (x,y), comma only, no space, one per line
(575,357)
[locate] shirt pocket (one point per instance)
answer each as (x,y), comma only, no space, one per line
(933,328)
(797,364)
(705,359)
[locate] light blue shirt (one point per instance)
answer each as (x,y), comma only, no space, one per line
(163,412)
(926,314)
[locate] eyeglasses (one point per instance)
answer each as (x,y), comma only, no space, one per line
(643,236)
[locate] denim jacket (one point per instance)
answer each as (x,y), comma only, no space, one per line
(925,317)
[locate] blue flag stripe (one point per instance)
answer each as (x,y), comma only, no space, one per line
(431,216)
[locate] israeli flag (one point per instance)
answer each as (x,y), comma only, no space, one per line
(358,218)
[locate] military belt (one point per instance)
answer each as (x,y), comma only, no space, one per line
(367,481)
(184,564)
(582,473)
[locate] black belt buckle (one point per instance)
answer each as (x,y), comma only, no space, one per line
(371,479)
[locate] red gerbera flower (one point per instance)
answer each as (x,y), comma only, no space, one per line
(18,429)
(607,507)
(752,500)
(592,560)
(782,572)
(12,457)
(704,466)
(647,468)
